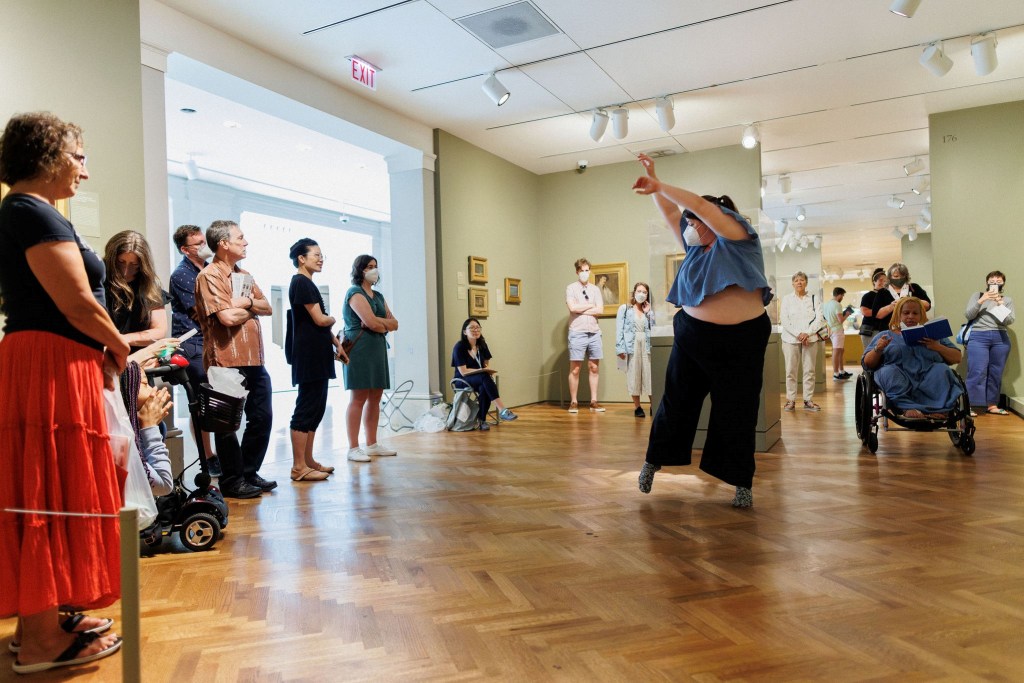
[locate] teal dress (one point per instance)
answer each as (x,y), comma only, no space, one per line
(368,359)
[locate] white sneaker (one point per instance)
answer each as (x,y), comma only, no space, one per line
(358,455)
(378,449)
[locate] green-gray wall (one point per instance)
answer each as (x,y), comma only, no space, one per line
(535,227)
(977,183)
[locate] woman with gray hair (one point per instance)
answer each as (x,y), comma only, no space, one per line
(899,287)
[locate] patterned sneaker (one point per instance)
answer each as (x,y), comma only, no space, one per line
(744,498)
(596,407)
(358,455)
(507,415)
(484,427)
(647,477)
(812,406)
(574,407)
(790,406)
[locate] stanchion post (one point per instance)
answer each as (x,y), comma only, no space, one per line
(131,659)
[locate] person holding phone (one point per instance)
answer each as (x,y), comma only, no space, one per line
(989,345)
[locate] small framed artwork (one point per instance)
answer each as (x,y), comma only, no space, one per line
(613,281)
(478,270)
(478,307)
(513,290)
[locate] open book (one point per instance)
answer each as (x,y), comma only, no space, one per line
(933,329)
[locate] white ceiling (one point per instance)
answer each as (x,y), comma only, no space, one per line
(835,87)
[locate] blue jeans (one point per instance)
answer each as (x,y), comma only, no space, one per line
(987,352)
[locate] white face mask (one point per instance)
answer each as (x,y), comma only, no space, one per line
(640,297)
(204,254)
(691,237)
(584,276)
(371,275)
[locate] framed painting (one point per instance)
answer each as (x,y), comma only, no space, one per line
(513,290)
(613,281)
(478,307)
(672,263)
(478,270)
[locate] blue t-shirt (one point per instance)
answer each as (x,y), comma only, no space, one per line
(462,356)
(25,222)
(727,262)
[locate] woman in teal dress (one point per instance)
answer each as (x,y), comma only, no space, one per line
(367,320)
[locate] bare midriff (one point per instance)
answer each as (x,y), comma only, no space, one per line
(731,306)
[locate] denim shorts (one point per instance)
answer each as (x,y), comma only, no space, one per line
(584,343)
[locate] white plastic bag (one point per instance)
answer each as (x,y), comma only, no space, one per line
(226,381)
(137,493)
(428,423)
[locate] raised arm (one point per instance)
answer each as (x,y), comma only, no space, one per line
(673,215)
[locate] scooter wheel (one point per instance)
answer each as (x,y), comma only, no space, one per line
(199,531)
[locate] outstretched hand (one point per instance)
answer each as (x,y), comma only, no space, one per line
(645,185)
(648,164)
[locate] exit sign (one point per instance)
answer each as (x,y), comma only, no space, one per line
(362,72)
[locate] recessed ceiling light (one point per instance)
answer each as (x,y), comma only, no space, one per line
(232,124)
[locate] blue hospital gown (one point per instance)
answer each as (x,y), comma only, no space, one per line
(915,376)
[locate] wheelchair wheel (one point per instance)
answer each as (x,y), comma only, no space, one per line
(872,442)
(968,445)
(858,403)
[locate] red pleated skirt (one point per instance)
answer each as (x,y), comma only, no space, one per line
(55,455)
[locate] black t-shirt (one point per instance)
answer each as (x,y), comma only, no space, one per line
(868,323)
(884,297)
(25,222)
(309,346)
(134,319)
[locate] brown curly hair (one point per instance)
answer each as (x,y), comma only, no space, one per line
(120,292)
(33,146)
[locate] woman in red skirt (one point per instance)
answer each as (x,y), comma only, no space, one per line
(55,451)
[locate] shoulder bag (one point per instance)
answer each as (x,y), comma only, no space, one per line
(964,333)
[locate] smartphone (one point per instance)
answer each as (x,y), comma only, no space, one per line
(994,289)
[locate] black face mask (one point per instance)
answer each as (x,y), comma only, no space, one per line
(897,282)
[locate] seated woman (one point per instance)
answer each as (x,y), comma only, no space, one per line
(914,378)
(470,358)
(147,407)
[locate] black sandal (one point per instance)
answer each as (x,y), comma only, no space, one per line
(70,656)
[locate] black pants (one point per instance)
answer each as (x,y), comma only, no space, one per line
(196,371)
(244,460)
(310,406)
(726,361)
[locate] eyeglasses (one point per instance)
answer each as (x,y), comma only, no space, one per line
(474,328)
(80,158)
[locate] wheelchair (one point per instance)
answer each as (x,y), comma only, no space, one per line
(872,411)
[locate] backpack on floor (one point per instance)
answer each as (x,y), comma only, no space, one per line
(465,407)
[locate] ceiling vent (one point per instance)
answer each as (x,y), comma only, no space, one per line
(512,24)
(661,153)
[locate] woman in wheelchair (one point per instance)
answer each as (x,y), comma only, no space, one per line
(915,380)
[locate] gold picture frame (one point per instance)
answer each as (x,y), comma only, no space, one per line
(513,290)
(613,281)
(478,302)
(478,270)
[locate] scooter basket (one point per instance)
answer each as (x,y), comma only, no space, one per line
(219,413)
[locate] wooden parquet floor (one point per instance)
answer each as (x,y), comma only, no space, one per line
(528,554)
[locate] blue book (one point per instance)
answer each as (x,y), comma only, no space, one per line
(933,329)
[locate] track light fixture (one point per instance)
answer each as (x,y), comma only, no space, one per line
(598,125)
(895,202)
(921,187)
(904,8)
(800,213)
(498,93)
(666,115)
(935,60)
(922,224)
(897,233)
(911,233)
(983,50)
(785,184)
(915,166)
(781,226)
(751,136)
(817,241)
(191,169)
(926,213)
(620,122)
(764,186)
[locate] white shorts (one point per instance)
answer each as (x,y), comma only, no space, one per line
(839,340)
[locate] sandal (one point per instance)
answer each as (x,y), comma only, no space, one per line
(997,411)
(69,625)
(308,474)
(70,656)
(323,468)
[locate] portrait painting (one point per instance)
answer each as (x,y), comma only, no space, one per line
(613,281)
